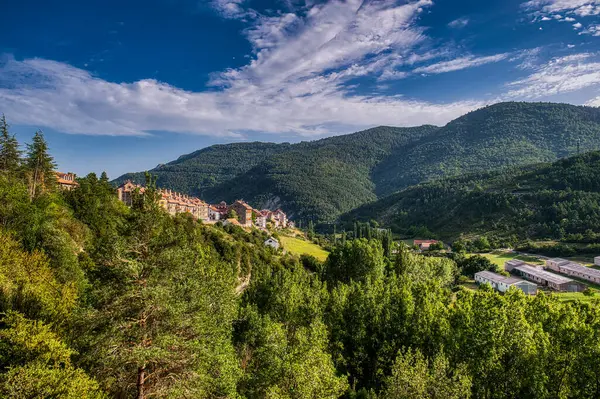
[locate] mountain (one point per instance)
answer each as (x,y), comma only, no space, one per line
(323,179)
(555,201)
(195,172)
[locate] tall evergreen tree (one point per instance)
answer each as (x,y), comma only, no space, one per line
(334,234)
(10,155)
(40,165)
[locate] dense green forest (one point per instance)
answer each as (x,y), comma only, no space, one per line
(322,179)
(99,300)
(196,172)
(557,201)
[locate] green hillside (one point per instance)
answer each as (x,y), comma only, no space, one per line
(325,178)
(547,201)
(193,173)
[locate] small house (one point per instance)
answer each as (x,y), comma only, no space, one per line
(597,261)
(503,284)
(424,245)
(271,242)
(66,181)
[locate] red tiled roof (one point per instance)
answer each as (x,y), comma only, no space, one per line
(417,242)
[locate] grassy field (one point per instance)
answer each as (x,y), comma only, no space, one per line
(574,296)
(499,257)
(299,246)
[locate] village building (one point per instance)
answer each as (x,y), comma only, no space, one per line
(222,208)
(243,211)
(574,269)
(503,284)
(171,201)
(544,278)
(597,261)
(280,218)
(511,264)
(260,220)
(66,181)
(273,243)
(213,213)
(424,245)
(125,191)
(554,263)
(175,203)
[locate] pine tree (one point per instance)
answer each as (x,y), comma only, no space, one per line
(311,229)
(10,155)
(355,230)
(40,165)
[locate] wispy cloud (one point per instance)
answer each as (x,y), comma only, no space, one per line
(296,81)
(460,63)
(594,102)
(593,30)
(582,8)
(232,8)
(300,79)
(459,23)
(545,10)
(559,75)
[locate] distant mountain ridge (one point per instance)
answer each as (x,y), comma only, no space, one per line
(324,178)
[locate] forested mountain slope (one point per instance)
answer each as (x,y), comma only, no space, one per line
(325,178)
(505,134)
(193,173)
(545,201)
(320,179)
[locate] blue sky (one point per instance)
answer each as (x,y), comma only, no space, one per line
(122,86)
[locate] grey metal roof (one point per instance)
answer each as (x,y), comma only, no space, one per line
(542,274)
(578,268)
(559,261)
(498,278)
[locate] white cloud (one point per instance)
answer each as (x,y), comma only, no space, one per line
(576,7)
(557,76)
(296,82)
(232,8)
(594,102)
(577,25)
(460,63)
(459,23)
(593,30)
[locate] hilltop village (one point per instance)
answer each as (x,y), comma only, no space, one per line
(238,213)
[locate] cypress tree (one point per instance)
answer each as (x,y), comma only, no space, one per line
(334,234)
(10,156)
(40,165)
(355,230)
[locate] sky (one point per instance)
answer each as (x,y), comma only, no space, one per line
(122,86)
